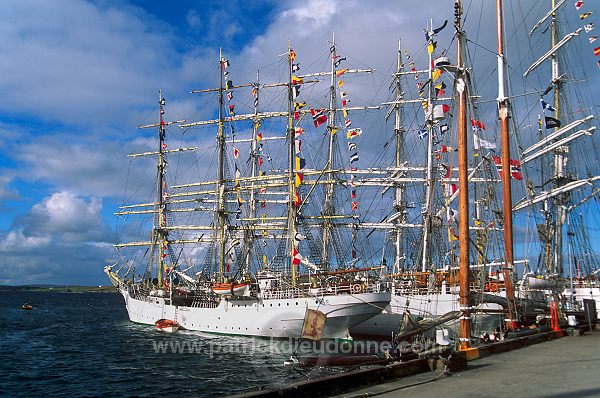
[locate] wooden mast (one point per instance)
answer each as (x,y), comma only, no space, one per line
(506,172)
(463,191)
(560,157)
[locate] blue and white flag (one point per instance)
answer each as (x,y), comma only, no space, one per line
(546,106)
(423,134)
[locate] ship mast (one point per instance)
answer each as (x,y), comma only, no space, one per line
(463,190)
(254,165)
(293,194)
(560,157)
(506,170)
(426,254)
(220,205)
(398,200)
(328,209)
(162,215)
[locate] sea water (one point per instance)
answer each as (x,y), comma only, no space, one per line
(83,345)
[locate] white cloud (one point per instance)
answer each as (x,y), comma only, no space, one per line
(16,240)
(63,238)
(311,15)
(66,217)
(76,62)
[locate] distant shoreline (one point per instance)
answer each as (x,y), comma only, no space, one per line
(60,289)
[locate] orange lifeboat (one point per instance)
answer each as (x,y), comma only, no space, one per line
(166,325)
(232,289)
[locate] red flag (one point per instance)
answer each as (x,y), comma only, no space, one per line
(354,206)
(236,153)
(477,124)
(450,189)
(318,116)
(515,167)
(445,149)
(297,258)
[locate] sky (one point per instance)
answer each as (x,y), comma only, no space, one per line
(78,77)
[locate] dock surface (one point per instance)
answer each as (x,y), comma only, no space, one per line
(564,367)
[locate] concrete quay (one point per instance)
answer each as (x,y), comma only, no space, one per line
(564,367)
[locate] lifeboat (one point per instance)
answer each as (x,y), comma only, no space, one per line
(232,289)
(166,325)
(26,307)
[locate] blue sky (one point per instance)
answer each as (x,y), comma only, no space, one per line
(79,76)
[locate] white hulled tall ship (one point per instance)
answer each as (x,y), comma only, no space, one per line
(256,262)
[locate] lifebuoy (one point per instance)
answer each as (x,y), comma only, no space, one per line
(493,287)
(356,288)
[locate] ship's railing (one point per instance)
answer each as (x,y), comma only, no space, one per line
(407,287)
(205,302)
(288,293)
(309,291)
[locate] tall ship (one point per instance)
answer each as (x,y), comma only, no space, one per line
(256,243)
(558,153)
(550,195)
(427,112)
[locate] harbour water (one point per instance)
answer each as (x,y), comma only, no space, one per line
(83,345)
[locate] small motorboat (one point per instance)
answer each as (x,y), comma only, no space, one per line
(166,325)
(27,306)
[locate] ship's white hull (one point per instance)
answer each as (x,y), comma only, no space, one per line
(279,318)
(423,306)
(581,293)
